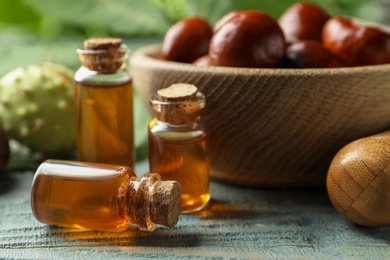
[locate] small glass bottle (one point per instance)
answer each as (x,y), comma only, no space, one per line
(104,100)
(177,143)
(102,197)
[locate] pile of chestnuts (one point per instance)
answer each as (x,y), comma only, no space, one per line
(305,36)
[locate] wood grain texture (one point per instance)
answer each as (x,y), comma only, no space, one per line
(358,180)
(239,223)
(276,127)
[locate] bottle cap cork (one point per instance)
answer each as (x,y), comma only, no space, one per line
(177,92)
(150,201)
(165,203)
(102,43)
(105,55)
(178,104)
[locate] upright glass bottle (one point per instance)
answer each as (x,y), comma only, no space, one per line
(104,100)
(102,197)
(177,143)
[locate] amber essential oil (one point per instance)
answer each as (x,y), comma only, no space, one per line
(102,197)
(104,102)
(184,159)
(76,200)
(177,144)
(105,123)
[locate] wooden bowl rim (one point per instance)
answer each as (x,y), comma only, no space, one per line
(148,56)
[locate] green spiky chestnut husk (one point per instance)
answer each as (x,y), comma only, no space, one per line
(37,108)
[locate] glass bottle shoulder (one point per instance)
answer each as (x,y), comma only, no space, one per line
(165,130)
(90,77)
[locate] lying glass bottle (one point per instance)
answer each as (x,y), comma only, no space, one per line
(102,197)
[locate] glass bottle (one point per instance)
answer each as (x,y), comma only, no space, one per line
(104,102)
(177,143)
(102,197)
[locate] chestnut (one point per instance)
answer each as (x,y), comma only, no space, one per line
(303,21)
(310,54)
(356,43)
(203,61)
(248,39)
(224,19)
(187,40)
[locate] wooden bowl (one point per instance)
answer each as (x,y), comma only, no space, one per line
(275,127)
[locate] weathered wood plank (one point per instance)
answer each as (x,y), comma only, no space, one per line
(238,223)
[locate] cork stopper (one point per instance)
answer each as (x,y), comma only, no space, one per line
(165,203)
(178,104)
(177,92)
(104,55)
(151,201)
(102,43)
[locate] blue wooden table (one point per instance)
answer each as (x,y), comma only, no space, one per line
(238,223)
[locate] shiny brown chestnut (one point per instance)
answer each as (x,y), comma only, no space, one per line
(356,43)
(248,39)
(303,21)
(310,54)
(187,40)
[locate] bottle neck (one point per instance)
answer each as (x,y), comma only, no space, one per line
(93,78)
(178,112)
(177,118)
(149,201)
(104,61)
